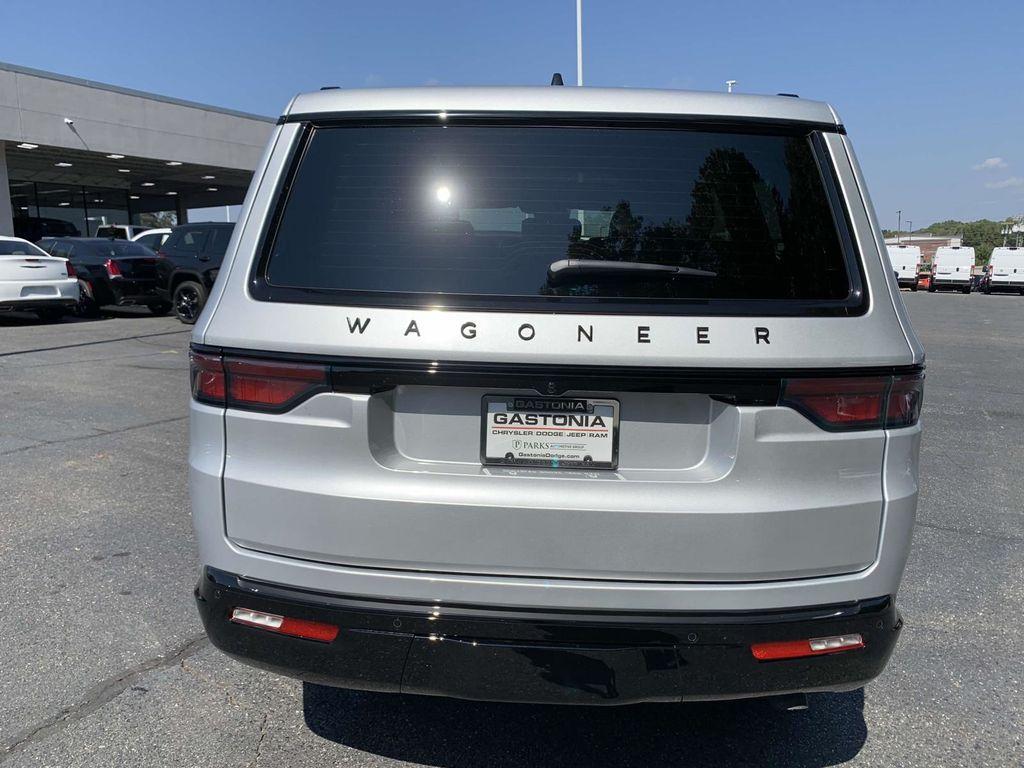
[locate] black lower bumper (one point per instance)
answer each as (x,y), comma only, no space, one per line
(38,304)
(544,657)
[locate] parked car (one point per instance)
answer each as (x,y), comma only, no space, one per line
(120,231)
(1006,270)
(190,259)
(110,272)
(952,268)
(905,260)
(33,281)
(35,228)
(615,404)
(152,238)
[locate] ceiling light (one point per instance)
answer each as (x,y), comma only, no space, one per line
(97,200)
(211,189)
(63,205)
(172,162)
(124,170)
(148,184)
(208,178)
(62,165)
(24,207)
(116,157)
(26,145)
(172,193)
(134,197)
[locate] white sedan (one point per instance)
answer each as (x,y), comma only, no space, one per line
(31,280)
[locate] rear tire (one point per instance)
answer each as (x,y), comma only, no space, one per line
(52,315)
(966,289)
(932,289)
(189,300)
(87,307)
(914,287)
(160,309)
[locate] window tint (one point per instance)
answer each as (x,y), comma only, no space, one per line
(119,233)
(489,211)
(188,240)
(219,238)
(150,241)
(115,249)
(19,248)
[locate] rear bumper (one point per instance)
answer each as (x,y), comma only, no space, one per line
(943,282)
(544,656)
(1005,285)
(130,292)
(30,295)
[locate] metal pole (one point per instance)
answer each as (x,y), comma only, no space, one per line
(579,42)
(899,223)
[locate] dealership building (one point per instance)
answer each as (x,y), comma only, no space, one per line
(76,154)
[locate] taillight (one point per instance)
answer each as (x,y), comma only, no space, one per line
(251,384)
(113,269)
(207,373)
(71,269)
(904,403)
(161,255)
(271,385)
(847,403)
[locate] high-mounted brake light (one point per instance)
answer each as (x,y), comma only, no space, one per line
(285,625)
(113,268)
(816,646)
(252,384)
(856,402)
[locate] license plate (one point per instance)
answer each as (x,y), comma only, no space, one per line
(554,432)
(38,290)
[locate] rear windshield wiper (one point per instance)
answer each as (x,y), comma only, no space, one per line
(564,269)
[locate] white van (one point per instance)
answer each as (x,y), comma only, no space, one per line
(951,268)
(905,260)
(1006,270)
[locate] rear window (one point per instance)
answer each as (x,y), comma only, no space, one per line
(115,249)
(588,217)
(19,248)
(120,233)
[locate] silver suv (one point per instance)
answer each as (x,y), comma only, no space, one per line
(556,395)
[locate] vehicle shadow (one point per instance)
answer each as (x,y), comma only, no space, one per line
(447,732)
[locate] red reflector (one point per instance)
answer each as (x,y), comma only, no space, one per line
(285,625)
(839,403)
(795,649)
(113,268)
(264,384)
(207,373)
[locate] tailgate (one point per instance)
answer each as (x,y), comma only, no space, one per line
(704,490)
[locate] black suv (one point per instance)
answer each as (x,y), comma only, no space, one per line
(189,261)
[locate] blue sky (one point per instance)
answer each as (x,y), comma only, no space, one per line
(928,90)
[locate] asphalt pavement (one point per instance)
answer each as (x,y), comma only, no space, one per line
(104,661)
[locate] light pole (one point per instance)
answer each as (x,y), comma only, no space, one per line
(579,42)
(899,224)
(728,85)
